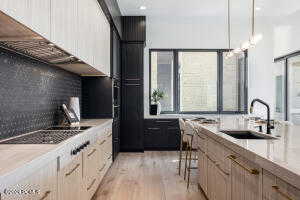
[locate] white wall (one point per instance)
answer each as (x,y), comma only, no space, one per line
(211,33)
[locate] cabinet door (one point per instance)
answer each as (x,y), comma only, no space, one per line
(90,162)
(202,170)
(64,24)
(85,31)
(153,138)
(133,55)
(43,184)
(211,180)
(71,180)
(132,118)
(276,189)
(17,10)
(40,17)
(101,41)
(222,184)
(245,185)
(173,135)
(116,55)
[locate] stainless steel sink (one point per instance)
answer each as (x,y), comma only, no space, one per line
(247,135)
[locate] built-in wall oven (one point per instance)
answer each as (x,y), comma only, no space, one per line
(117,99)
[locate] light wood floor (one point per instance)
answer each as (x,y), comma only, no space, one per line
(147,176)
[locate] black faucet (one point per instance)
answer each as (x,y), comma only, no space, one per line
(269,126)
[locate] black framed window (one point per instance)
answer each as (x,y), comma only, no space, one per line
(287,80)
(199,81)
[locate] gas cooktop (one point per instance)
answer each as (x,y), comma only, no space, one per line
(43,137)
(79,128)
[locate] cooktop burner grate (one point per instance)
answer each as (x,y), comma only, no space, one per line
(42,137)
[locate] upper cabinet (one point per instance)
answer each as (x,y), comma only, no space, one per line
(79,27)
(35,14)
(64,24)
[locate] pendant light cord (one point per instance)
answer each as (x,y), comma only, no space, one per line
(252,18)
(229,25)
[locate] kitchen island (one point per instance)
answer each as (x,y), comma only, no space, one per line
(231,168)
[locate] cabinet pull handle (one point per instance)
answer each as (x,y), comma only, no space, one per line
(109,157)
(277,189)
(94,150)
(68,174)
(201,150)
(211,159)
(102,142)
(251,171)
(91,185)
(45,195)
(201,137)
(109,135)
(153,128)
(224,172)
(102,168)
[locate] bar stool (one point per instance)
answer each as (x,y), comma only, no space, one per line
(182,140)
(191,131)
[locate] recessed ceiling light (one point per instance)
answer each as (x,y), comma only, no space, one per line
(258,8)
(143,8)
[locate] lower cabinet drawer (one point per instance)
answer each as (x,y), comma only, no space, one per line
(275,188)
(40,185)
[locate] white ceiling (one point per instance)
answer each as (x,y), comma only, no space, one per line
(190,8)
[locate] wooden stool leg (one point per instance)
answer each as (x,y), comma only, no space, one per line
(180,154)
(186,159)
(190,162)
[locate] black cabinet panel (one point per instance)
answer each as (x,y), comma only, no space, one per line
(116,138)
(115,55)
(97,97)
(161,134)
(132,118)
(134,28)
(133,59)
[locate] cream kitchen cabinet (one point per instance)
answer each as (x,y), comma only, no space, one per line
(91,159)
(70,180)
(42,184)
(246,179)
(275,188)
(34,14)
(85,31)
(202,170)
(64,25)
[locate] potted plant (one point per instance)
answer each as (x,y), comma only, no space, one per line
(156,96)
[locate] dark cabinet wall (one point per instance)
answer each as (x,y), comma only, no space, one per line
(132,84)
(97,97)
(132,97)
(115,55)
(161,134)
(134,29)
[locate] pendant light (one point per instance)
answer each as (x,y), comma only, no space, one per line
(254,39)
(230,53)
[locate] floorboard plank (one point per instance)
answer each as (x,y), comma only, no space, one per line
(152,175)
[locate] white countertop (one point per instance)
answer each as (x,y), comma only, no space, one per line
(187,116)
(25,156)
(280,156)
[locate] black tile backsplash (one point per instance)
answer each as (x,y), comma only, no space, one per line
(31,94)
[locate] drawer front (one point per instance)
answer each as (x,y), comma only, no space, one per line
(275,188)
(201,142)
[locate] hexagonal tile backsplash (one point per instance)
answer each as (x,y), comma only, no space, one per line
(31,93)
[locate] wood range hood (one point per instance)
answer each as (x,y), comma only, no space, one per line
(18,38)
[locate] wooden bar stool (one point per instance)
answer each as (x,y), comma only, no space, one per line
(191,131)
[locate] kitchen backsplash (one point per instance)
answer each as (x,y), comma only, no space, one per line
(31,94)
